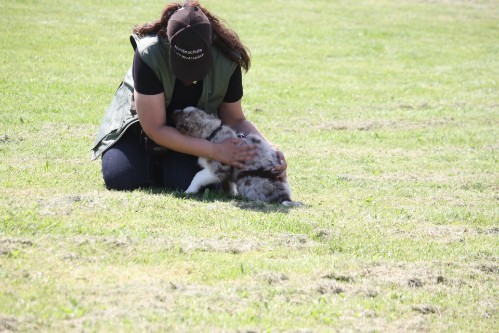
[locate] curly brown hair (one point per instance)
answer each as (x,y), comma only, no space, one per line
(225,39)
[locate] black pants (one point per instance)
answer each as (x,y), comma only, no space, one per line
(127,166)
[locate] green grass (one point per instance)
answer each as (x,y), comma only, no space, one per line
(387,112)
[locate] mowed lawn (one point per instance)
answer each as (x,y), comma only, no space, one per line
(387,113)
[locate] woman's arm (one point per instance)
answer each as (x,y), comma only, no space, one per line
(232,115)
(151,111)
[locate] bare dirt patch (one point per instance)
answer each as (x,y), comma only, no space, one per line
(414,283)
(443,234)
(65,205)
(8,324)
(188,244)
(489,231)
(489,269)
(338,277)
(10,246)
(425,308)
(234,246)
(272,277)
(293,241)
(401,275)
(367,292)
(330,287)
(22,242)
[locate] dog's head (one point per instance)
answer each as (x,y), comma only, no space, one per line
(195,122)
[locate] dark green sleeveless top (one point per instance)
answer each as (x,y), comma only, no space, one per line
(154,51)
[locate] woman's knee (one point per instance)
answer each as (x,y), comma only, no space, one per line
(178,170)
(121,173)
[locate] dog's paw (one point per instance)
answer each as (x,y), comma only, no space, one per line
(191,190)
(233,190)
(292,203)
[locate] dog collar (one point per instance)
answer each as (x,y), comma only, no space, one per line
(212,135)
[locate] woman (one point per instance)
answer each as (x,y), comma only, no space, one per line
(186,58)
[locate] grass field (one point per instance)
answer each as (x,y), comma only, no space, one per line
(387,112)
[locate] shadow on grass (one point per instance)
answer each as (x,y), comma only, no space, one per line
(209,195)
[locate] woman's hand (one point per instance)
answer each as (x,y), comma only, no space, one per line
(233,153)
(280,170)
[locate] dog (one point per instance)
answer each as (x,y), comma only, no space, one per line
(256,182)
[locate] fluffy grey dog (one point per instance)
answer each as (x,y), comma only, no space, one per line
(256,182)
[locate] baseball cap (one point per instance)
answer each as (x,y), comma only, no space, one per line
(189,34)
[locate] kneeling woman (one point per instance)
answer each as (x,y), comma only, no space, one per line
(186,58)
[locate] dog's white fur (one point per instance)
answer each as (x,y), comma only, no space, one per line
(256,182)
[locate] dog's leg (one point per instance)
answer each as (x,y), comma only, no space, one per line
(202,178)
(233,189)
